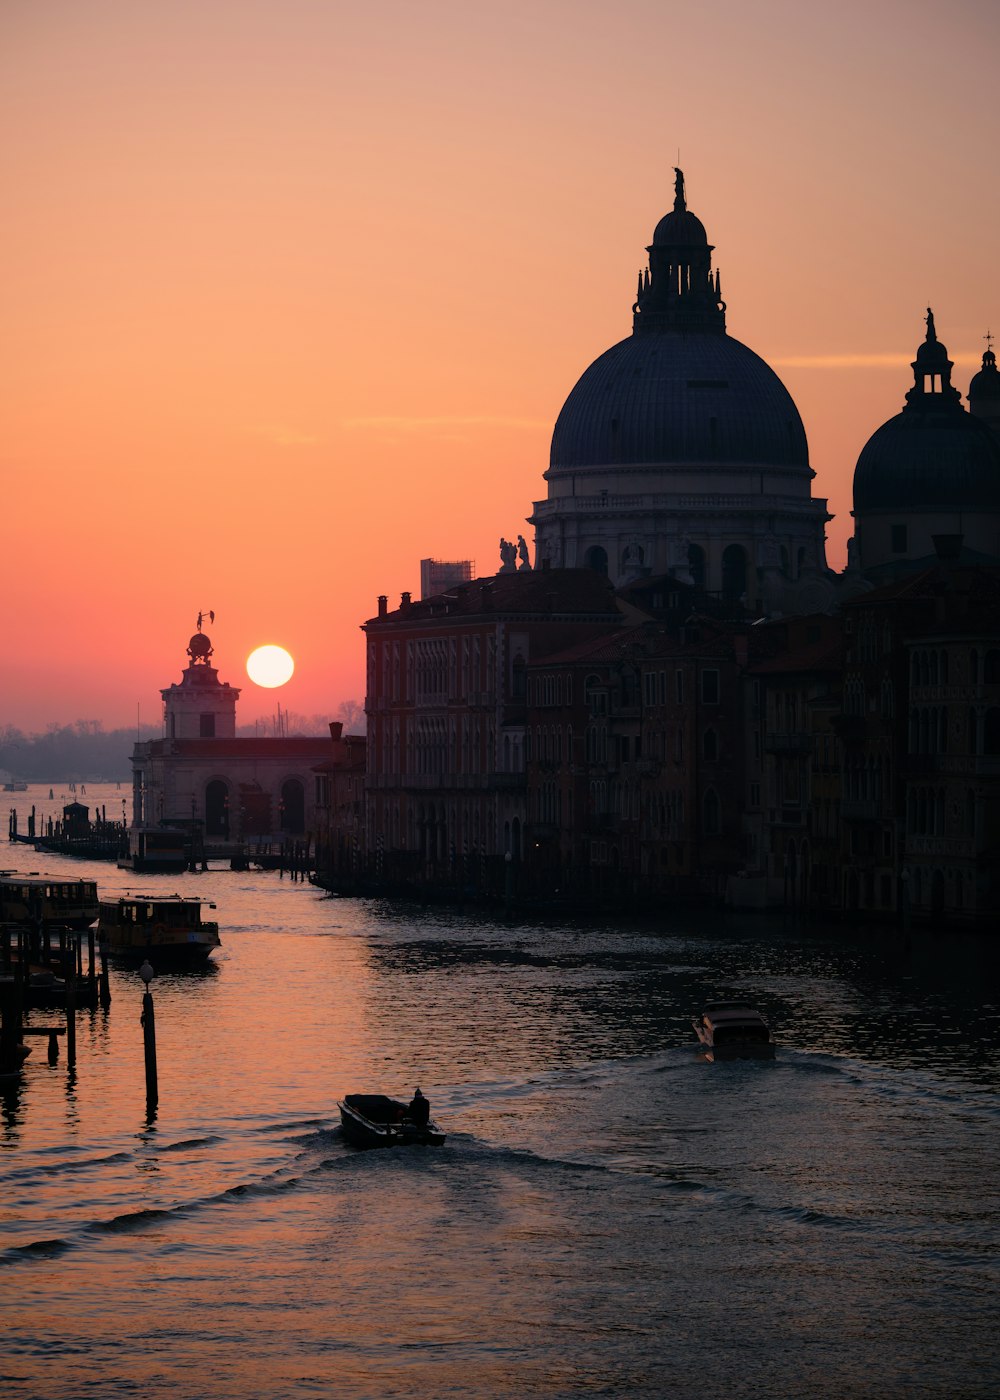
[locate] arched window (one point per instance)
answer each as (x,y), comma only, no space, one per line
(991,668)
(734,573)
(696,565)
(711,813)
(596,558)
(710,745)
(518,678)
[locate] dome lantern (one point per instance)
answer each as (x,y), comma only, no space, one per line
(678,290)
(932,386)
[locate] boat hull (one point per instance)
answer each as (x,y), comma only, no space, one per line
(163,953)
(373,1120)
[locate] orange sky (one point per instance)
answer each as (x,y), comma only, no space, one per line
(294,289)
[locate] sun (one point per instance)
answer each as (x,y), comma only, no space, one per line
(270,666)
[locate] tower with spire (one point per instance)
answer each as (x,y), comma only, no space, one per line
(200,706)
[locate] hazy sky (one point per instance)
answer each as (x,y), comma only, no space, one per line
(294,289)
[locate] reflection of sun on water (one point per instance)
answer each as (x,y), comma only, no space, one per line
(270,666)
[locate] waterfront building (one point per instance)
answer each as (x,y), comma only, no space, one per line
(793,800)
(446,706)
(201,776)
(635,760)
(921,734)
(340,808)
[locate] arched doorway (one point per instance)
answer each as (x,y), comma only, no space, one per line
(217,809)
(293,807)
(596,558)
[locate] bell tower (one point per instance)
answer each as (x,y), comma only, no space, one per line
(200,706)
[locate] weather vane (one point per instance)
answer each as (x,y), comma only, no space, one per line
(201,617)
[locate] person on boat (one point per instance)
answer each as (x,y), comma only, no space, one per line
(419,1110)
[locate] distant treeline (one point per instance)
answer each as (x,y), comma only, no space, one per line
(86,750)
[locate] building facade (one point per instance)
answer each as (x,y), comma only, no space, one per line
(201,776)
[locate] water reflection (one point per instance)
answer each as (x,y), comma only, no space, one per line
(611,1214)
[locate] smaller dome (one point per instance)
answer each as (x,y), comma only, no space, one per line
(199,646)
(928,462)
(986,383)
(680,229)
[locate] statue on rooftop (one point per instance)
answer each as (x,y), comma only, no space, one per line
(508,554)
(522,553)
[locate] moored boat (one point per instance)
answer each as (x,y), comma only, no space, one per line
(47,900)
(375,1120)
(168,930)
(732,1030)
(153,850)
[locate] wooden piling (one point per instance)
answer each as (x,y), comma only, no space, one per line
(105,979)
(148,1019)
(10,1026)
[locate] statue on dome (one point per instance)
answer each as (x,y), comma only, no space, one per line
(522,553)
(678,186)
(508,554)
(931,332)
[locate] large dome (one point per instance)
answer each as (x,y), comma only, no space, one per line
(667,397)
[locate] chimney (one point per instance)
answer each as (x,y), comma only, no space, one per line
(383,605)
(404,602)
(336,729)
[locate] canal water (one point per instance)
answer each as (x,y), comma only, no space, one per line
(610,1215)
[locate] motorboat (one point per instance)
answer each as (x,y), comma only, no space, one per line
(47,900)
(375,1120)
(732,1030)
(167,929)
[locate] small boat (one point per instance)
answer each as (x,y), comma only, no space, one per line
(732,1030)
(375,1120)
(15,785)
(46,899)
(168,930)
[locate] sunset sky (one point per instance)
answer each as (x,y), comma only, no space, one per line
(294,289)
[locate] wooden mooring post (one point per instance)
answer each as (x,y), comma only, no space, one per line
(148,1022)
